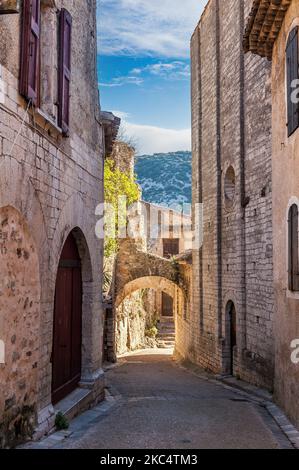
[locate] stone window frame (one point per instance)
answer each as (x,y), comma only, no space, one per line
(229,206)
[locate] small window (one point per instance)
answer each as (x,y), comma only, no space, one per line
(293,249)
(171,247)
(230,187)
(292,63)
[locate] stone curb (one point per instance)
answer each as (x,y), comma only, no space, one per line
(283,422)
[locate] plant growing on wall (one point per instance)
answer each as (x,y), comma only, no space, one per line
(117,185)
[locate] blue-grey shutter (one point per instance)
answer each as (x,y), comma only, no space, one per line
(292,57)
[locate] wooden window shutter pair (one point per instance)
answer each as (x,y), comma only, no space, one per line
(30,59)
(293,227)
(292,57)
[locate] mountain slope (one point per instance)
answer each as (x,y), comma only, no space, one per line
(165,178)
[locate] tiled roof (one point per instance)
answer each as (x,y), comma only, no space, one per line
(263,26)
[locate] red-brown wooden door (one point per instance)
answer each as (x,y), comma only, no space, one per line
(67,334)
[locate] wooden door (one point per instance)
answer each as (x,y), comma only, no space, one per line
(67,334)
(167,305)
(233,335)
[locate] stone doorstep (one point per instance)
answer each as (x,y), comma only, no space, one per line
(87,417)
(75,403)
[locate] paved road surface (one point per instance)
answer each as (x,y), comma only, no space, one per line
(160,405)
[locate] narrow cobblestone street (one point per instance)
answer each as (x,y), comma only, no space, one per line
(158,405)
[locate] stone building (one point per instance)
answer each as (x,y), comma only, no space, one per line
(149,300)
(272,31)
(52,146)
(230,328)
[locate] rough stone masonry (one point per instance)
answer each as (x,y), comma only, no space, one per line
(231,324)
(50,185)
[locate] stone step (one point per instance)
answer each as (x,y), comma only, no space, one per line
(164,345)
(166,337)
(166,332)
(166,320)
(166,327)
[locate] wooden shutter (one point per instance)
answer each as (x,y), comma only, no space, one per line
(30,51)
(293,249)
(64,71)
(292,54)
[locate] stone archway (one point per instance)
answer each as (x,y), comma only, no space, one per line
(137,270)
(19,327)
(131,331)
(157,283)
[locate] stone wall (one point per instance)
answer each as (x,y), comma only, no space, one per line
(133,320)
(140,272)
(123,155)
(231,135)
(49,185)
(285,194)
(20,298)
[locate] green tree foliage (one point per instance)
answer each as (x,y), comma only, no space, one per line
(117,185)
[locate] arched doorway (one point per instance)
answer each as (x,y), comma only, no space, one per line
(67,333)
(232,333)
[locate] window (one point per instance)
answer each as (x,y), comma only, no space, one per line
(229,187)
(29,73)
(171,247)
(292,61)
(293,249)
(39,60)
(64,70)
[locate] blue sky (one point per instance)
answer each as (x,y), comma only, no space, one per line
(144,69)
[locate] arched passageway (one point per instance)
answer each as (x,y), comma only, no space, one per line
(135,319)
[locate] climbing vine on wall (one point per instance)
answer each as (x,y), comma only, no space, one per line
(118,184)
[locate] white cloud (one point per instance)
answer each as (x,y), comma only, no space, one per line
(147,27)
(121,81)
(153,139)
(176,70)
